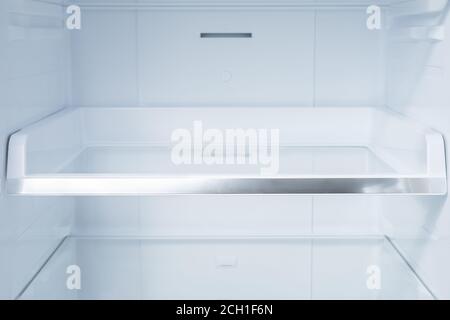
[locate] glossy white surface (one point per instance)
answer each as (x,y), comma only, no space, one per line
(157,58)
(303,268)
(33,83)
(293,161)
(322,46)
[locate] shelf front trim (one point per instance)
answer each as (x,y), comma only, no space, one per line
(106,186)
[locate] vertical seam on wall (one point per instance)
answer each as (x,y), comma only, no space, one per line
(312,215)
(311,252)
(141,272)
(385,56)
(314,57)
(68,67)
(141,259)
(311,271)
(69,98)
(136,47)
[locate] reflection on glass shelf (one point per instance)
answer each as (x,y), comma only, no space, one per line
(259,268)
(292,161)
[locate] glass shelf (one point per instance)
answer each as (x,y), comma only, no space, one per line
(127,151)
(248,268)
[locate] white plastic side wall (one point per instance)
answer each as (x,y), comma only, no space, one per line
(33,83)
(419,80)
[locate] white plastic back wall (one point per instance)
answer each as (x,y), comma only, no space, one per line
(227,216)
(155,57)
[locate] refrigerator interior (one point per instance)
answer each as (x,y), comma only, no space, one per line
(356,210)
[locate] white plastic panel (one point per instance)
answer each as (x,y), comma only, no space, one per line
(421,33)
(104,59)
(178,67)
(225,3)
(156,56)
(33,84)
(212,215)
(348,61)
(418,7)
(418,86)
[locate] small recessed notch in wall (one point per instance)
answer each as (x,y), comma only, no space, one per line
(226,35)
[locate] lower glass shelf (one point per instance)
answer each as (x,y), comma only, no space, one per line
(250,268)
